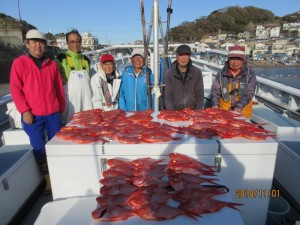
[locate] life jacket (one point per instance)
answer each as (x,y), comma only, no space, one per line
(228,93)
(85,60)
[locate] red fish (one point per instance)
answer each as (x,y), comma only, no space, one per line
(113,162)
(113,200)
(122,169)
(150,124)
(113,173)
(196,192)
(66,135)
(184,167)
(149,181)
(113,213)
(111,181)
(206,205)
(84,139)
(175,156)
(205,133)
(149,173)
(141,198)
(129,140)
(176,118)
(157,137)
(181,180)
(160,212)
(118,189)
(101,131)
(138,118)
(146,162)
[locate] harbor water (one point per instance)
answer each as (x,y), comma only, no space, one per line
(289,76)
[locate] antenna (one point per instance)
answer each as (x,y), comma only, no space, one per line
(21,24)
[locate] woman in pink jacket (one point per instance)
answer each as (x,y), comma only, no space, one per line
(37,90)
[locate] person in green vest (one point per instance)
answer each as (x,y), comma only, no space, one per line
(74,68)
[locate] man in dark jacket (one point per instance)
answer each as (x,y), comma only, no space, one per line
(183,82)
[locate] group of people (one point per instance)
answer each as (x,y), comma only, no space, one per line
(47,92)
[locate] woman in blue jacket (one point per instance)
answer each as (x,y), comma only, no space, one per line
(133,91)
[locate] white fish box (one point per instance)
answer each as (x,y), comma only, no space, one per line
(15,137)
(287,168)
(248,170)
(81,175)
(19,177)
(75,169)
(285,128)
(14,116)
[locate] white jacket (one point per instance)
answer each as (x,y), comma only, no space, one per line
(98,99)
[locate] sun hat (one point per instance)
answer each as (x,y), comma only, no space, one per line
(237,51)
(182,49)
(106,58)
(35,34)
(137,52)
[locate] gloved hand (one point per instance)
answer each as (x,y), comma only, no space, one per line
(238,110)
(156,92)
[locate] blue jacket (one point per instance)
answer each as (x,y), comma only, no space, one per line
(133,91)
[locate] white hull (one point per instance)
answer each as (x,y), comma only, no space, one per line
(20,177)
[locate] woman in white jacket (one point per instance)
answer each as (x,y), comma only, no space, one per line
(105,83)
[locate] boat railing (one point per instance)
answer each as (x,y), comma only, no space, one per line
(284,95)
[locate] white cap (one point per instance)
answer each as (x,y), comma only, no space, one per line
(138,52)
(35,34)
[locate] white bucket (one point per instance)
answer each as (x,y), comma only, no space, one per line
(278,208)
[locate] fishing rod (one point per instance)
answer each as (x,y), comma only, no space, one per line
(169,12)
(166,47)
(146,46)
(150,27)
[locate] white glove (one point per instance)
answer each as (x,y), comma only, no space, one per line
(156,91)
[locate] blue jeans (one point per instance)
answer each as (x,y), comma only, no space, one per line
(50,124)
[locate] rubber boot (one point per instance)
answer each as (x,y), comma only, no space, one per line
(44,169)
(47,189)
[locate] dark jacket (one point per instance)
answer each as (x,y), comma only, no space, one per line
(249,89)
(184,93)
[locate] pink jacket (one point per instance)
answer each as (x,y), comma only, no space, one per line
(37,90)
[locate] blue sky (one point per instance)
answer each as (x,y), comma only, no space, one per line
(118,21)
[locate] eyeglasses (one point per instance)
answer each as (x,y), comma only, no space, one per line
(74,42)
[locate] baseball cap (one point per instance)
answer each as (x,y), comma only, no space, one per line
(237,51)
(107,57)
(183,49)
(137,52)
(35,34)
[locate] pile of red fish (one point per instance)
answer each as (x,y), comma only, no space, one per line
(155,190)
(138,127)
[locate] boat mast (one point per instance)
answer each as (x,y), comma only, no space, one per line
(155,50)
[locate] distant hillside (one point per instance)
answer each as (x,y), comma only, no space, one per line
(229,20)
(8,53)
(8,22)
